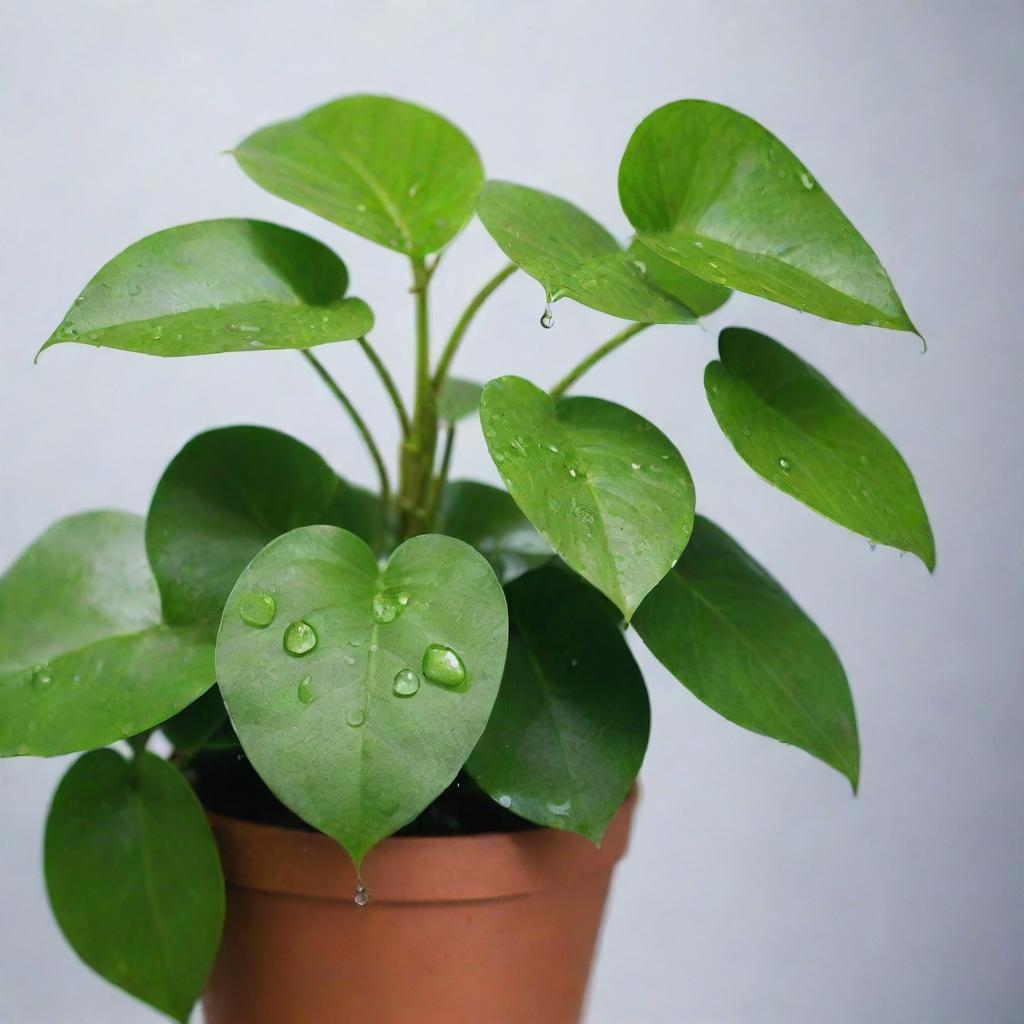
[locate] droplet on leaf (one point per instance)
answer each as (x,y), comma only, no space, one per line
(299,638)
(257,609)
(442,665)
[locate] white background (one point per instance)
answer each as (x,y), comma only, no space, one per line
(757,889)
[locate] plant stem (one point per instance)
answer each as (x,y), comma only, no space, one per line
(465,320)
(442,473)
(596,356)
(389,384)
(332,385)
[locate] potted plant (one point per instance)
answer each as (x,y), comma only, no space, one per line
(439,662)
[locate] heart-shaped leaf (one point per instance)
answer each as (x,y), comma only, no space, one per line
(605,488)
(733,637)
(572,255)
(390,171)
(134,878)
(382,677)
(85,658)
(793,428)
(568,732)
(488,519)
(227,494)
(711,190)
(458,398)
(217,286)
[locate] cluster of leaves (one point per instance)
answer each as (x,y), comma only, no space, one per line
(368,647)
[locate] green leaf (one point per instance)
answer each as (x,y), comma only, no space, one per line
(605,488)
(134,878)
(733,637)
(489,520)
(217,286)
(458,398)
(697,295)
(568,732)
(390,171)
(376,758)
(85,658)
(794,429)
(193,728)
(714,192)
(572,255)
(227,494)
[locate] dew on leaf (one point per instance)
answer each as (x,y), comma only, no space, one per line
(257,609)
(406,683)
(442,665)
(305,690)
(355,717)
(299,638)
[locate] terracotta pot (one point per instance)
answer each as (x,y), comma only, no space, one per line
(488,929)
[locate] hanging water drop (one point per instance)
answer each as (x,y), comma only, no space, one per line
(442,665)
(547,318)
(361,897)
(406,683)
(299,638)
(305,690)
(257,609)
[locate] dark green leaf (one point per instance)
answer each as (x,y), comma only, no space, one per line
(458,398)
(373,758)
(793,428)
(732,636)
(217,286)
(605,488)
(568,732)
(134,878)
(488,519)
(697,295)
(85,658)
(572,255)
(390,171)
(712,191)
(224,496)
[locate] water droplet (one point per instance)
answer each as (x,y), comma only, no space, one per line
(442,665)
(362,897)
(257,609)
(79,300)
(305,690)
(572,472)
(134,289)
(806,180)
(547,318)
(634,465)
(299,638)
(785,465)
(560,807)
(42,676)
(640,265)
(413,189)
(387,606)
(349,660)
(406,683)
(746,430)
(355,717)
(553,448)
(505,800)
(403,598)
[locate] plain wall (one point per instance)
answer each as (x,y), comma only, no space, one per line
(757,889)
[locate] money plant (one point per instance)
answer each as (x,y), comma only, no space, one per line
(433,656)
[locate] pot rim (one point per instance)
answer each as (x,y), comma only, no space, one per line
(416,869)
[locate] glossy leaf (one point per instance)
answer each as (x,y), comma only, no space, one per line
(733,637)
(489,520)
(217,286)
(793,428)
(568,732)
(374,758)
(572,255)
(458,398)
(604,487)
(134,878)
(227,494)
(700,297)
(390,171)
(714,192)
(85,658)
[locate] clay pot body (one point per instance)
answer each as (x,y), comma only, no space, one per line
(488,929)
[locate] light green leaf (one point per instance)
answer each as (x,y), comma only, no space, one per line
(572,255)
(227,494)
(714,192)
(458,398)
(568,732)
(793,428)
(488,519)
(377,757)
(217,286)
(697,295)
(733,637)
(85,658)
(604,487)
(134,878)
(388,170)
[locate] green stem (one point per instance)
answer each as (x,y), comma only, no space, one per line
(389,384)
(442,473)
(360,423)
(596,356)
(465,320)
